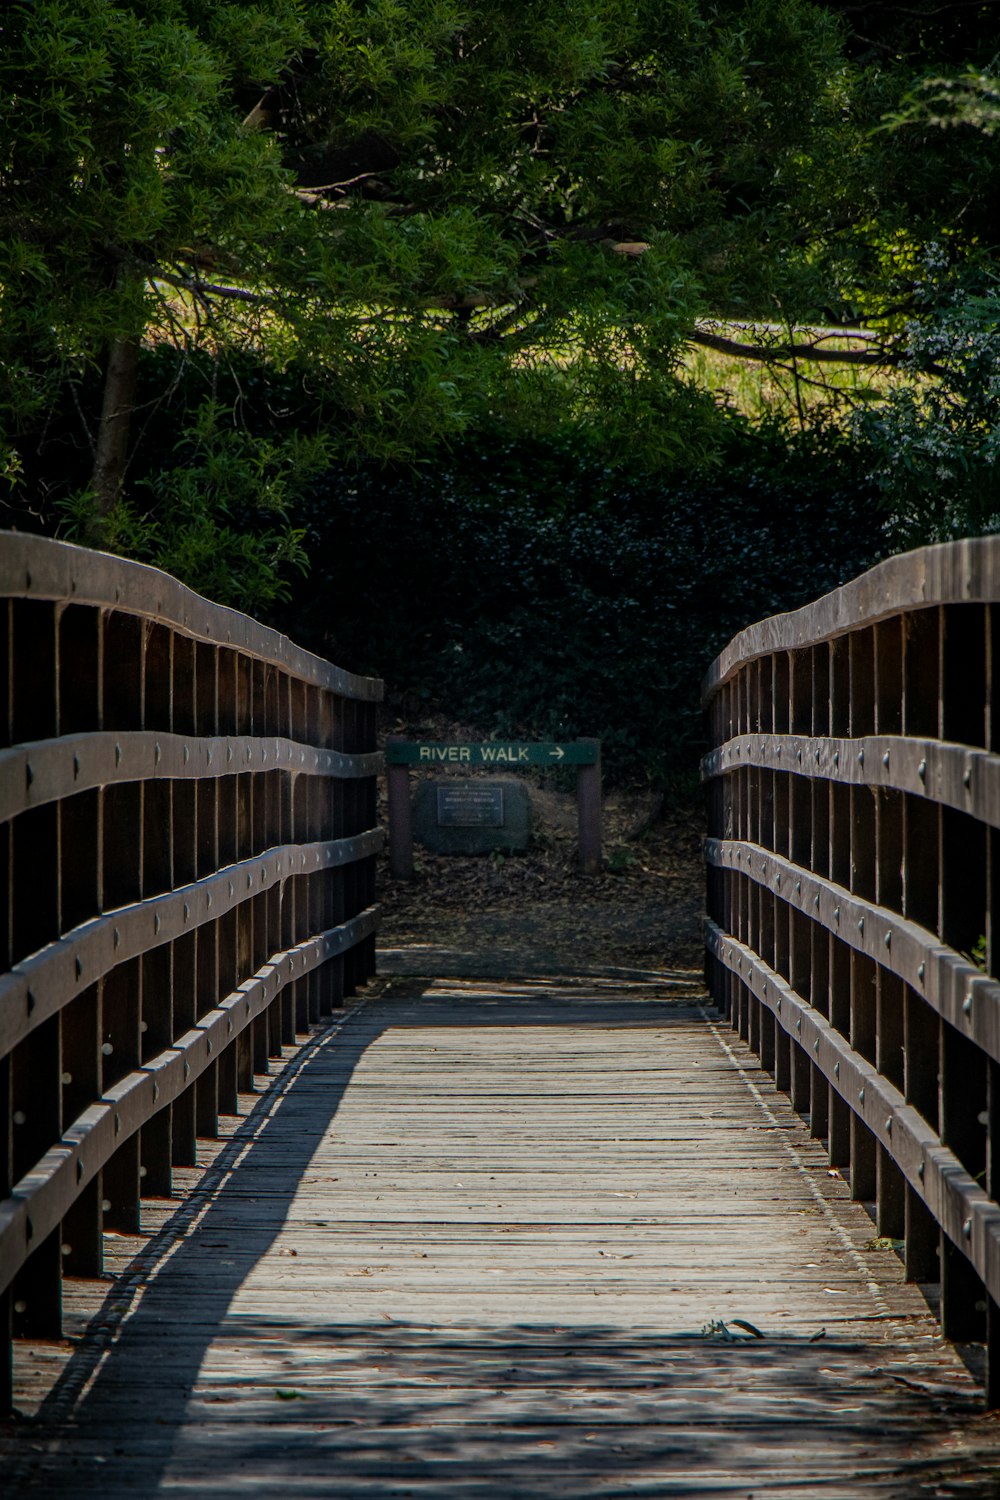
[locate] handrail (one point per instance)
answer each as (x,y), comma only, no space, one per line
(41,985)
(853,933)
(958,776)
(187,832)
(33,567)
(33,774)
(966,572)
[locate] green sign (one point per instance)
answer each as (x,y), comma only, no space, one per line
(495,753)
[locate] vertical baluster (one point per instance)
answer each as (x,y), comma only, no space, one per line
(992,1184)
(36,1114)
(890,1188)
(863,1161)
(782,1059)
(80,1042)
(839,1141)
(819,1104)
(121,1022)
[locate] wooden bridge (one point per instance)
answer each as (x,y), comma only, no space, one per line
(270,1226)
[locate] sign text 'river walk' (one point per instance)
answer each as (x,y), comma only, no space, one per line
(478,806)
(491,753)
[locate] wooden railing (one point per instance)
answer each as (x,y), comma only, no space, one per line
(854,895)
(187,809)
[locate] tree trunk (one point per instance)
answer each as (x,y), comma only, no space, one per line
(116,413)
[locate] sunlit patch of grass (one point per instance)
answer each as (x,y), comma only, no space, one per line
(800,389)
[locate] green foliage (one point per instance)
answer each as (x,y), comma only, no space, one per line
(933,448)
(971,98)
(467,244)
(218,518)
(536,588)
(450,213)
(574,124)
(122,164)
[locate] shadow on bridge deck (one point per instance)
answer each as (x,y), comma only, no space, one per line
(492,1239)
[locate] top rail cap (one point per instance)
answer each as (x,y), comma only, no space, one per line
(35,567)
(963,572)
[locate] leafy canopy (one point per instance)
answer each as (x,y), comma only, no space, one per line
(438,218)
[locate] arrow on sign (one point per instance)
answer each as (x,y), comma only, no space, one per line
(496,753)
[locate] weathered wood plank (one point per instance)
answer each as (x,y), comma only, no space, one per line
(35,567)
(949,573)
(484,1240)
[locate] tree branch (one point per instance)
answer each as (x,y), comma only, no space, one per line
(209,288)
(883,358)
(774,353)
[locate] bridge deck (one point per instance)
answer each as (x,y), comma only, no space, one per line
(481,1241)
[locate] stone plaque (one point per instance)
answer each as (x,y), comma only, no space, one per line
(470,804)
(472,816)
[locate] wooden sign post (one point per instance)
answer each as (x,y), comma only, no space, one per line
(401,754)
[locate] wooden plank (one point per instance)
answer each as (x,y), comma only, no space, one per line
(965,572)
(41,985)
(36,773)
(37,568)
(485,1238)
(939,771)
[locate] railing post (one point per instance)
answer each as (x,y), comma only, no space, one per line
(400,811)
(160,866)
(857,741)
(154,1154)
(588,806)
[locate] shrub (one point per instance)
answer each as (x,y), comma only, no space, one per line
(532,589)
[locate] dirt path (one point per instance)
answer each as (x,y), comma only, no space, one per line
(535,913)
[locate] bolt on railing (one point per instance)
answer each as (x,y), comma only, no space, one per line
(187,816)
(854,895)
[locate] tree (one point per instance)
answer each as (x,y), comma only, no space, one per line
(125,173)
(440,216)
(742,149)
